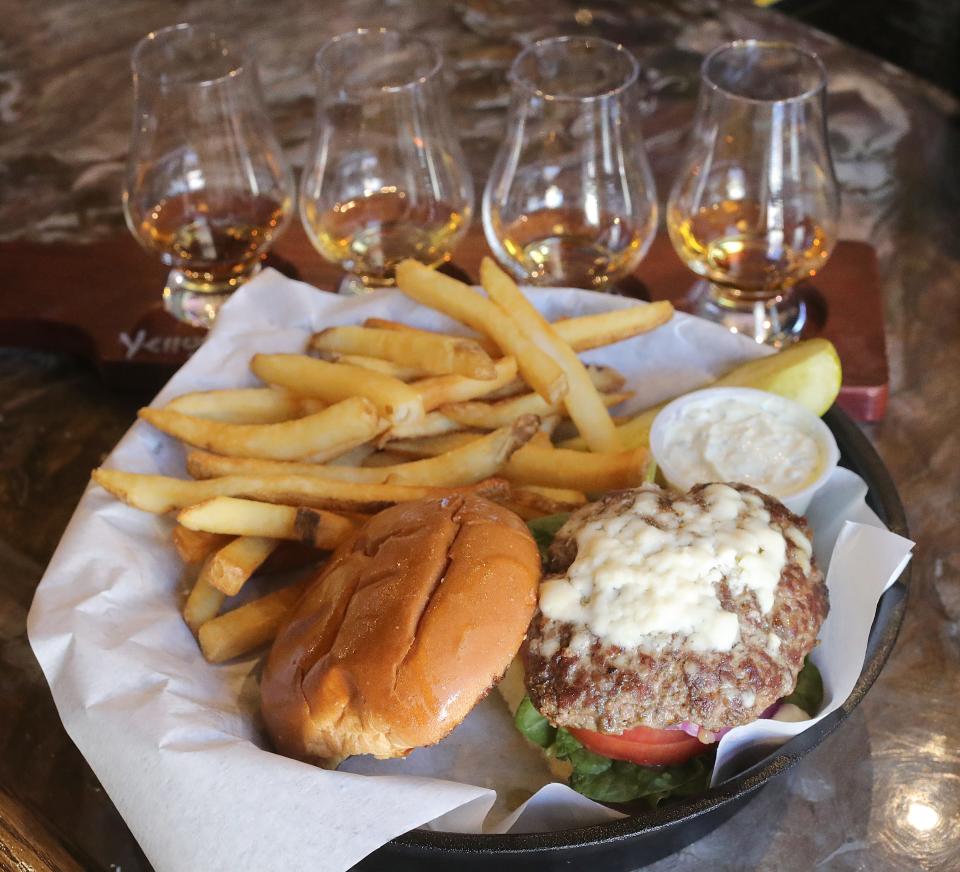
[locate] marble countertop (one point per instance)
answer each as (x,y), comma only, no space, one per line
(882,793)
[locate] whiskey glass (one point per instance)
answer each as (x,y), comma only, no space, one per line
(570,199)
(206,186)
(755,209)
(386,178)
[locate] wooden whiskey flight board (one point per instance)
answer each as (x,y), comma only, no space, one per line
(102,301)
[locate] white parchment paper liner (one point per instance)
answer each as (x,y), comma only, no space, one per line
(176,742)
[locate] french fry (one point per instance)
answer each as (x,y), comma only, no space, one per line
(194,546)
(591,331)
(383,458)
(157,494)
(579,470)
(231,566)
(203,602)
(469,463)
(338,382)
(565,495)
(160,494)
(240,517)
(354,457)
(443,389)
(585,331)
(325,434)
(430,446)
(246,405)
(461,302)
(489,416)
(203,465)
(528,513)
(551,500)
(431,424)
(386,324)
(541,440)
(545,500)
(605,379)
(437,354)
(582,400)
(484,342)
(512,388)
(384,367)
(473,462)
(248,627)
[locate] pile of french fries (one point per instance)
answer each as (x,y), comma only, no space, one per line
(373,415)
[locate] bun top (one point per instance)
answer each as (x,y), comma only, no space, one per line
(408,625)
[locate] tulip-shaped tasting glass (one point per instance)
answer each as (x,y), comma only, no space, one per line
(755,209)
(570,199)
(386,178)
(206,186)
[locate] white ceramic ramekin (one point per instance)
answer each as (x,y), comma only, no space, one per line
(797,415)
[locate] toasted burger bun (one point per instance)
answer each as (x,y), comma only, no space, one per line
(408,625)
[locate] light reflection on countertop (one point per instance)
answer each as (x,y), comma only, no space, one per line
(921,819)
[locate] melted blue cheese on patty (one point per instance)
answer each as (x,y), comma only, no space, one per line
(644,575)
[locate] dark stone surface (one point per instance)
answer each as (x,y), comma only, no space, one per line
(884,792)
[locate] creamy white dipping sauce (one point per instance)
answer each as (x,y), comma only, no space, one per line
(646,574)
(728,439)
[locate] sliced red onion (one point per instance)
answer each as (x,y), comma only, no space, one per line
(770,711)
(708,737)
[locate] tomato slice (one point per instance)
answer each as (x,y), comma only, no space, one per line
(643,745)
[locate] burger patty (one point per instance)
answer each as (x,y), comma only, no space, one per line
(575,680)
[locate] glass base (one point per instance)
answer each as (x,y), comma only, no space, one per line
(198,304)
(353,286)
(776,322)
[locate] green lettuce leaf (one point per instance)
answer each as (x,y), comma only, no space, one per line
(607,780)
(565,744)
(583,761)
(545,529)
(808,694)
(534,726)
(626,782)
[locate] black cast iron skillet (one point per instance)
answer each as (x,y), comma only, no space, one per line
(635,841)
